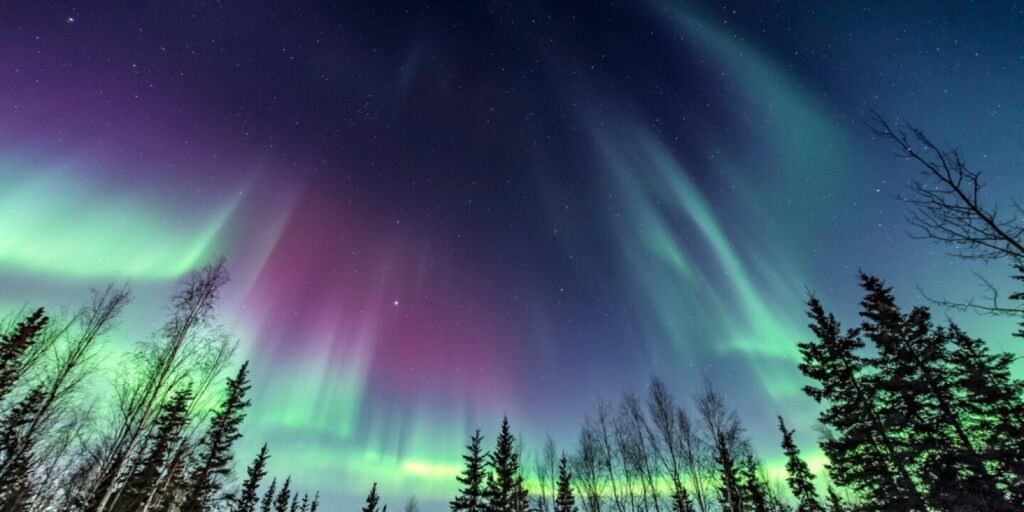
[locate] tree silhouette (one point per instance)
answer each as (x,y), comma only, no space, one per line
(798,475)
(471,497)
(564,502)
(215,453)
(13,347)
(267,503)
(285,494)
(372,500)
(168,429)
(249,497)
(505,491)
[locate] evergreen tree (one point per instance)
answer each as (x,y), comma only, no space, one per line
(316,503)
(752,487)
(13,347)
(284,496)
(471,496)
(372,500)
(835,503)
(862,450)
(249,498)
(170,494)
(295,502)
(215,454)
(729,495)
(505,491)
(267,503)
(304,506)
(564,501)
(911,371)
(168,429)
(15,484)
(993,408)
(798,475)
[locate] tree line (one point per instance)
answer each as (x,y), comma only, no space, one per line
(163,442)
(915,414)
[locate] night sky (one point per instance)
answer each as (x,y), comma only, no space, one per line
(439,214)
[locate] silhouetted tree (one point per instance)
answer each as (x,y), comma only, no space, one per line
(14,345)
(168,428)
(372,500)
(471,497)
(505,491)
(215,450)
(857,440)
(160,367)
(267,503)
(564,502)
(249,497)
(753,489)
(835,503)
(667,440)
(948,206)
(284,496)
(15,488)
(798,475)
(587,467)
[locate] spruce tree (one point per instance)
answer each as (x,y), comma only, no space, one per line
(729,494)
(993,407)
(15,483)
(248,499)
(215,453)
(316,503)
(171,492)
(505,491)
(283,496)
(752,487)
(863,452)
(295,502)
(169,425)
(372,500)
(564,501)
(471,497)
(798,475)
(917,395)
(835,503)
(304,506)
(267,503)
(13,347)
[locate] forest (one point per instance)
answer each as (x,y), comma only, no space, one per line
(914,413)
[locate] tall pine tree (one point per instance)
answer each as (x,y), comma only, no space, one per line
(267,503)
(863,452)
(13,347)
(505,491)
(798,475)
(471,497)
(162,441)
(372,500)
(15,482)
(215,450)
(564,501)
(249,497)
(284,496)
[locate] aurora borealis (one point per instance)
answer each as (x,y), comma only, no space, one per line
(435,214)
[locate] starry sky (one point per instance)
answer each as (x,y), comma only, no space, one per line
(439,213)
